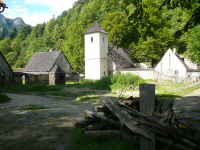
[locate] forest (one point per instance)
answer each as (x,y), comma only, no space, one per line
(144,28)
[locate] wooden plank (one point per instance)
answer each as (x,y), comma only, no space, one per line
(171,143)
(186,141)
(101,109)
(167,128)
(105,134)
(158,131)
(159,107)
(122,117)
(167,105)
(147,104)
(160,115)
(100,118)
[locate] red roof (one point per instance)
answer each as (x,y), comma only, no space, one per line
(1,2)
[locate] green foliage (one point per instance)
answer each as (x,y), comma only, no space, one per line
(4,98)
(193,45)
(2,35)
(14,33)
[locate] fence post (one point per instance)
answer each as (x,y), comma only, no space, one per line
(147,103)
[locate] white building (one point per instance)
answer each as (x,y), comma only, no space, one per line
(173,66)
(102,59)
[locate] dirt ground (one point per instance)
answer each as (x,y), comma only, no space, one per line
(40,129)
(50,128)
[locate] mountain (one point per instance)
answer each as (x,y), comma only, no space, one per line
(7,24)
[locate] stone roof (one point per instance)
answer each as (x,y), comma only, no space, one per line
(119,57)
(181,60)
(42,61)
(6,61)
(57,69)
(95,27)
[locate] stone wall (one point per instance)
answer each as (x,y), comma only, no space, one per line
(145,73)
(17,80)
(36,79)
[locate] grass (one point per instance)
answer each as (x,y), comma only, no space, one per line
(4,98)
(80,142)
(167,91)
(35,107)
(190,119)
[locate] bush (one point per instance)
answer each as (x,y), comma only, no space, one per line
(4,98)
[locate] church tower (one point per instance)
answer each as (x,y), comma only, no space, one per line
(96,52)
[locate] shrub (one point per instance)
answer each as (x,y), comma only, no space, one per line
(4,98)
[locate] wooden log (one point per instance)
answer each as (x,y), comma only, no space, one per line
(157,131)
(105,135)
(147,104)
(171,143)
(132,138)
(167,105)
(167,128)
(185,127)
(84,123)
(94,128)
(186,141)
(123,118)
(160,115)
(159,107)
(103,108)
(100,118)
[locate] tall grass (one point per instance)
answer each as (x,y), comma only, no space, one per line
(117,81)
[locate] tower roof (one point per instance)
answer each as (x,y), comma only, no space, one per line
(95,27)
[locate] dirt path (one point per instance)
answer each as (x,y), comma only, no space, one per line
(40,129)
(189,106)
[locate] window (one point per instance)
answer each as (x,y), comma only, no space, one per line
(103,39)
(3,74)
(104,73)
(91,39)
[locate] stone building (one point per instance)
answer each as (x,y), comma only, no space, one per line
(6,72)
(48,67)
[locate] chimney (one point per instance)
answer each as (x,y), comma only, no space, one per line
(174,50)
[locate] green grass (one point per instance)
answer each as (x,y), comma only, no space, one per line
(35,107)
(167,91)
(80,142)
(4,98)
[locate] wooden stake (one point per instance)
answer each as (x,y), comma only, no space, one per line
(147,103)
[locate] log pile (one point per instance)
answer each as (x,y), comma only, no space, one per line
(124,120)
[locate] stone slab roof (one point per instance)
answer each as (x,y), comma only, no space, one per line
(95,27)
(42,61)
(119,57)
(57,69)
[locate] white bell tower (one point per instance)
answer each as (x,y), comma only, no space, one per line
(96,49)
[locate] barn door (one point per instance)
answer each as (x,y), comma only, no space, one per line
(2,78)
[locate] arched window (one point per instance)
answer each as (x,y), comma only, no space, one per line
(91,39)
(103,39)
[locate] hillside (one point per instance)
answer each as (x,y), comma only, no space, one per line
(7,24)
(145,30)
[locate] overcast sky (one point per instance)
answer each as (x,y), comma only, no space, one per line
(34,12)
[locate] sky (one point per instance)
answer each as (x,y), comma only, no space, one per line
(35,12)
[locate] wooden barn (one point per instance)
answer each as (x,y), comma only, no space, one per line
(48,67)
(6,72)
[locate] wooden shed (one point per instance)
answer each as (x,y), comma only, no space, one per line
(56,76)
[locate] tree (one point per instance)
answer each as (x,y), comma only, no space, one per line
(57,33)
(74,45)
(11,58)
(16,47)
(5,47)
(13,33)
(24,32)
(2,35)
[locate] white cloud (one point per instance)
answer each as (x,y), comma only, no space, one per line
(31,19)
(55,5)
